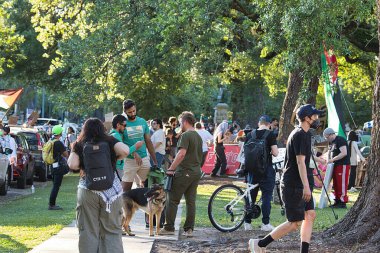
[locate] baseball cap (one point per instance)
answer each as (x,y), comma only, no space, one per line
(307,110)
(57,130)
(265,118)
(328,131)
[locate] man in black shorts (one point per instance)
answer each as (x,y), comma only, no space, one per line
(297,184)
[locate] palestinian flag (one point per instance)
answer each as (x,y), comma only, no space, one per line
(9,97)
(335,116)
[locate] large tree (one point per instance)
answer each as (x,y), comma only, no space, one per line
(361,225)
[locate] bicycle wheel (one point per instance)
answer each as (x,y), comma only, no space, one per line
(225,211)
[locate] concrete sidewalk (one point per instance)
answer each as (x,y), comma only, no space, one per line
(66,241)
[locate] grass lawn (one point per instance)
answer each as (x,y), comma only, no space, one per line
(26,222)
(325,217)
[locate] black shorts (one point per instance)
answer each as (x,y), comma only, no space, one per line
(295,206)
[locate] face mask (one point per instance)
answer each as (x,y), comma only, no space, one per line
(315,124)
(1,133)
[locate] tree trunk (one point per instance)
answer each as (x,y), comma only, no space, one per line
(361,224)
(313,90)
(286,125)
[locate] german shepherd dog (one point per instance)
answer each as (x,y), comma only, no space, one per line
(150,200)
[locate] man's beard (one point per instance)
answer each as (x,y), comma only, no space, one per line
(133,117)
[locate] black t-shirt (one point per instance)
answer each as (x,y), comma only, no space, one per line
(299,143)
(78,149)
(58,149)
(270,141)
(337,144)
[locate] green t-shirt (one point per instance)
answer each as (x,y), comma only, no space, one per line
(135,132)
(192,142)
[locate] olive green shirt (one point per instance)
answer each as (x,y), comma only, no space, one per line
(192,142)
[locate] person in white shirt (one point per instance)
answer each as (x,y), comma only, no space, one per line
(7,141)
(355,154)
(206,139)
(159,141)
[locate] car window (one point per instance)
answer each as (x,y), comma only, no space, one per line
(31,139)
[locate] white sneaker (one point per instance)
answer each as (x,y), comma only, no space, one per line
(253,246)
(247,226)
(267,228)
(188,233)
(352,190)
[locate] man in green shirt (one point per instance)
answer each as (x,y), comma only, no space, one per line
(137,163)
(186,169)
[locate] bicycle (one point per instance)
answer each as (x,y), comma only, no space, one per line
(229,205)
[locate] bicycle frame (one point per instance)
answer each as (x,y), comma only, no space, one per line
(247,192)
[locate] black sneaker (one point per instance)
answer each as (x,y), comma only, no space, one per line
(55,207)
(213,175)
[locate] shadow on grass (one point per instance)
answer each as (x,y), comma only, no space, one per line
(9,245)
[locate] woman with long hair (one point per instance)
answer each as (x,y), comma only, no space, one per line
(221,134)
(355,153)
(99,213)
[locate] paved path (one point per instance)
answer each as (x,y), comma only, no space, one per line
(66,241)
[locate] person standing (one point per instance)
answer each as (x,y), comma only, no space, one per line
(206,138)
(296,184)
(136,163)
(341,159)
(70,137)
(99,213)
(222,133)
(355,154)
(186,169)
(176,135)
(159,141)
(118,127)
(7,141)
(59,152)
(267,181)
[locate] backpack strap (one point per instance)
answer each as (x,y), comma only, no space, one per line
(253,134)
(267,132)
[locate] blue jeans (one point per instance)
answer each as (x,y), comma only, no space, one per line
(266,185)
(159,158)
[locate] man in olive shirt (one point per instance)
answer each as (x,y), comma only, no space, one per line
(186,168)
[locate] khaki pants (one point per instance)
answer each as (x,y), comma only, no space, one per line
(99,231)
(184,183)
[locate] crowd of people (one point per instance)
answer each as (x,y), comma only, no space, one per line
(180,146)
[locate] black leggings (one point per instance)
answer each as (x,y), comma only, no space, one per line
(351,181)
(220,161)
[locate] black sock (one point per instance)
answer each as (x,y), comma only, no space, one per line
(265,241)
(304,247)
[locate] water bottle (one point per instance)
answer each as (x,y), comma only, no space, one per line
(168,183)
(32,188)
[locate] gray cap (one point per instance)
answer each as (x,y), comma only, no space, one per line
(328,131)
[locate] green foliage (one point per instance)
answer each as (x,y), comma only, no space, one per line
(9,40)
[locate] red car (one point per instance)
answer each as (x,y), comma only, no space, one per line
(23,170)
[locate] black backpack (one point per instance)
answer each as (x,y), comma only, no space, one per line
(256,154)
(98,165)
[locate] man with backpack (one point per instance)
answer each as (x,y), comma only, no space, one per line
(259,147)
(59,152)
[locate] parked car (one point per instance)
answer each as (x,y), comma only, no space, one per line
(36,139)
(4,162)
(23,170)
